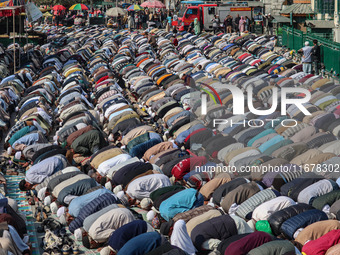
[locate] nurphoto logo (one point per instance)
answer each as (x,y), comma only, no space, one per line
(239,105)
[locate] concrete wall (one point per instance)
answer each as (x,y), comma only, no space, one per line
(273,6)
(337,34)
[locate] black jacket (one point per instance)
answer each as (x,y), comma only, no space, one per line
(316,53)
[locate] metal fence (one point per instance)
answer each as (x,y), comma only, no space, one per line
(330,50)
(292,38)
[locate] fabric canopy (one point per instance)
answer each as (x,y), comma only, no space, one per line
(113,12)
(153,4)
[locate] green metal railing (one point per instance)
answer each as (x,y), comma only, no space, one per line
(292,38)
(328,36)
(330,50)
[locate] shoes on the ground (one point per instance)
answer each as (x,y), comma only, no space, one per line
(67,240)
(52,240)
(66,249)
(62,232)
(75,249)
(40,229)
(56,251)
(47,252)
(51,224)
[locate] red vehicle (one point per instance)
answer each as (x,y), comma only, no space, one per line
(205,13)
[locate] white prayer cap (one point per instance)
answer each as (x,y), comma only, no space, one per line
(61,211)
(123,198)
(9,150)
(78,233)
(105,251)
(108,186)
(41,193)
(117,189)
(120,194)
(145,203)
(47,200)
(150,215)
(54,207)
(18,155)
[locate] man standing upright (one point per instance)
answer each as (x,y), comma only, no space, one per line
(306,58)
(119,21)
(237,22)
(270,24)
(316,57)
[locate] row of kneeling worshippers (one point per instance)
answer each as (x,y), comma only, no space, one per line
(14,234)
(121,147)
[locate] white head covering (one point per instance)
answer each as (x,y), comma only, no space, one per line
(306,43)
(105,251)
(78,233)
(181,238)
(145,203)
(9,151)
(150,215)
(47,200)
(117,189)
(41,193)
(61,211)
(108,186)
(123,198)
(18,155)
(111,138)
(54,207)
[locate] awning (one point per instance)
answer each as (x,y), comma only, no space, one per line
(8,10)
(320,23)
(108,4)
(297,9)
(281,19)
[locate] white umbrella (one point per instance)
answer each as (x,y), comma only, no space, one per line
(113,12)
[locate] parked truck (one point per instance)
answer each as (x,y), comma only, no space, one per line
(205,13)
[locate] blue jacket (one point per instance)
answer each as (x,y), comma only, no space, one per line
(94,206)
(302,220)
(180,202)
(79,203)
(141,244)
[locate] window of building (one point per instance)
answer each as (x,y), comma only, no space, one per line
(325,7)
(211,10)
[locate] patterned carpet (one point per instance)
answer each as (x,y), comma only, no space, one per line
(27,210)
